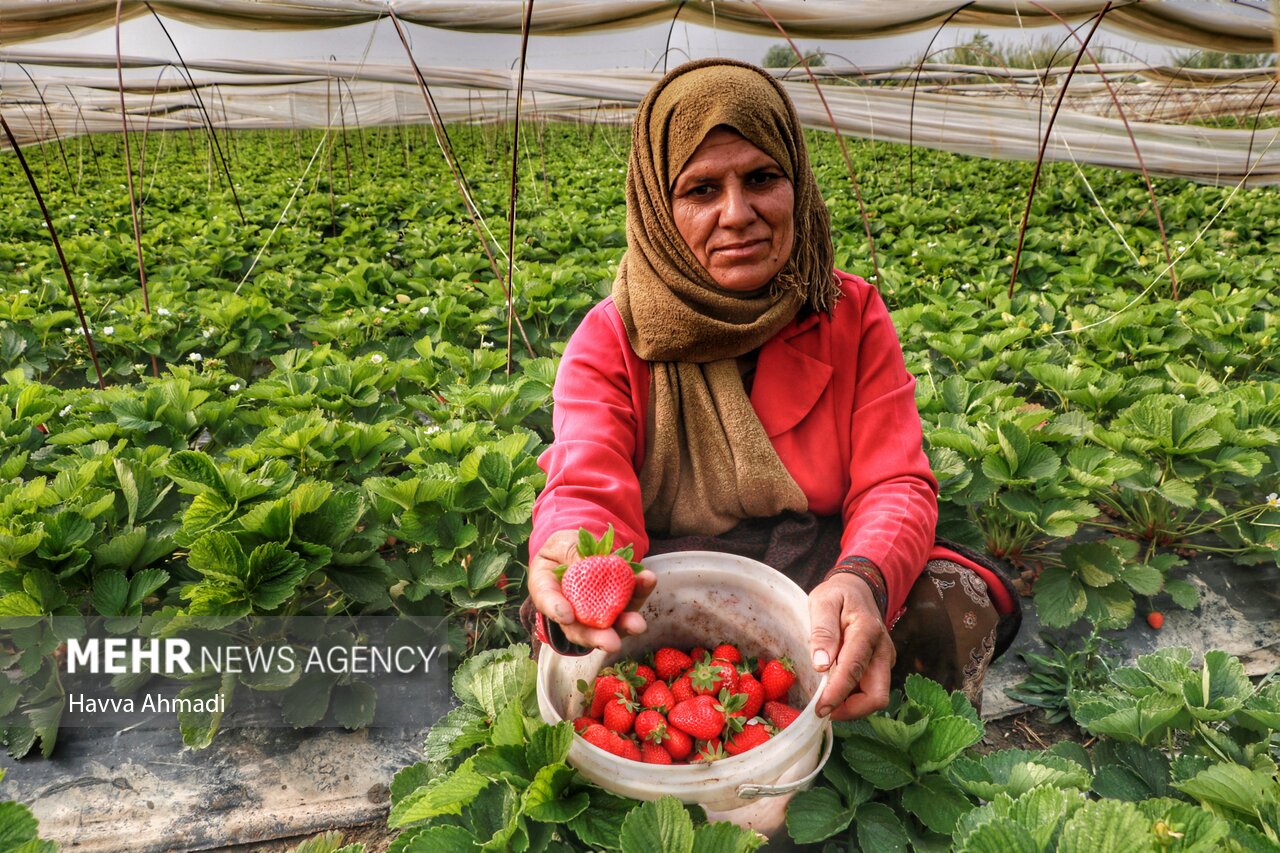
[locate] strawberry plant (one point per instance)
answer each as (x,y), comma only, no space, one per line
(495,774)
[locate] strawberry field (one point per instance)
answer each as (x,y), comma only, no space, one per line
(322,409)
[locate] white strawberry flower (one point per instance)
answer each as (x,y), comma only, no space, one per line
(375,359)
(163,312)
(108,330)
(424,310)
(24,291)
(385,310)
(194,356)
(1273,500)
(235,386)
(487,344)
(67,410)
(208,333)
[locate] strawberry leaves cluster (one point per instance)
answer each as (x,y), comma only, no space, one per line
(496,777)
(687,707)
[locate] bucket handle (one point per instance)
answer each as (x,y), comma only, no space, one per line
(751,792)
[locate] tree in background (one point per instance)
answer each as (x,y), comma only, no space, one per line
(1218,59)
(782,56)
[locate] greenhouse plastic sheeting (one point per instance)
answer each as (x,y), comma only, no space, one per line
(1001,120)
(1225,27)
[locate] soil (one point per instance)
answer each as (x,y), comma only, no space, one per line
(1029,730)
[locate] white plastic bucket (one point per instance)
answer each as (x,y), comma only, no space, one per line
(703,598)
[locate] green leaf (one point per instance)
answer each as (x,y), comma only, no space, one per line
(545,799)
(218,555)
(1060,598)
(504,762)
(353,704)
(1105,826)
(17,826)
(457,731)
(1228,786)
(945,739)
(19,604)
(273,574)
(550,744)
(197,472)
(817,814)
(1129,771)
(1000,835)
(213,695)
(725,837)
(1183,593)
(144,583)
(445,795)
(485,570)
(110,593)
(936,802)
(600,826)
(661,825)
(880,830)
(1143,579)
(493,678)
(307,701)
(881,765)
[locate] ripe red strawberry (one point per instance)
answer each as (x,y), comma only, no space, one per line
(777,678)
(607,688)
(671,663)
(644,676)
(726,652)
(698,653)
(1155,619)
(600,584)
(581,724)
(678,744)
(652,753)
(780,714)
(627,748)
(752,735)
(620,715)
(710,750)
(651,726)
(682,689)
(597,735)
(658,697)
(701,717)
(710,678)
(754,691)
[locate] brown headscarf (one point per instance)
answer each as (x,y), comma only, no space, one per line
(710,464)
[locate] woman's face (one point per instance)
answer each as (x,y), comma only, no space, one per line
(734,207)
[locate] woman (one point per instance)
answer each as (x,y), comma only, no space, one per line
(737,394)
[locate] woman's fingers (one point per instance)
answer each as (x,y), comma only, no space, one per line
(645,583)
(824,627)
(544,589)
(873,690)
(861,638)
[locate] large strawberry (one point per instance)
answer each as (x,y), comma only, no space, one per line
(600,584)
(658,697)
(709,678)
(652,753)
(752,735)
(651,726)
(780,714)
(671,663)
(755,695)
(678,744)
(682,689)
(777,678)
(701,717)
(620,715)
(609,684)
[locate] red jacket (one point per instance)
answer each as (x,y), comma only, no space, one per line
(833,395)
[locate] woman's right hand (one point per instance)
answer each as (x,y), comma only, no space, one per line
(561,549)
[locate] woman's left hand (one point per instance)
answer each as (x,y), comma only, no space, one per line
(849,641)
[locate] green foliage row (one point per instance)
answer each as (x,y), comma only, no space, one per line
(335,427)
